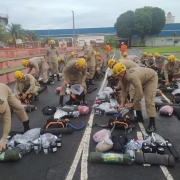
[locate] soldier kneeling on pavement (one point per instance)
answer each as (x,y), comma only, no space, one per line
(145,82)
(171,70)
(74,72)
(40,65)
(8,102)
(144,58)
(26,81)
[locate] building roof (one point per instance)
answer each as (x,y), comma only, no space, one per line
(168,30)
(5,17)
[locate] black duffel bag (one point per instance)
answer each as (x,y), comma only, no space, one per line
(49,110)
(119,142)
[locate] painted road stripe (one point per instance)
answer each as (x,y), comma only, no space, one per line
(84,148)
(84,161)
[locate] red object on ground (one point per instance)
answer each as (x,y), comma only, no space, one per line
(83,110)
(58,90)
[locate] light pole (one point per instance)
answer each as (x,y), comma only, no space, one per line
(73,29)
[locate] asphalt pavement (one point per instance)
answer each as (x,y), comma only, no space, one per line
(55,166)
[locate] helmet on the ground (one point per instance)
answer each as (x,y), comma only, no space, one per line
(72,53)
(156,54)
(171,58)
(25,62)
(52,42)
(111,63)
(125,54)
(176,96)
(81,63)
(150,55)
(144,53)
(83,110)
(118,69)
(18,75)
(59,59)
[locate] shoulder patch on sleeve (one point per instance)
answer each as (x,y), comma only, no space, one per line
(1,102)
(131,70)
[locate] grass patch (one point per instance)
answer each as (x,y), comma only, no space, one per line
(170,49)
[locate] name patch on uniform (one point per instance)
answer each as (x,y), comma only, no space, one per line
(1,101)
(131,70)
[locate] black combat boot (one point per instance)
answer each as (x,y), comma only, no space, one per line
(91,82)
(36,98)
(151,128)
(138,118)
(52,77)
(26,125)
(61,101)
(45,85)
(84,101)
(58,78)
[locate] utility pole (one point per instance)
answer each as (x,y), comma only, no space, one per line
(73,30)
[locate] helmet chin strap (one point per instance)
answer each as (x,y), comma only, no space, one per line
(123,75)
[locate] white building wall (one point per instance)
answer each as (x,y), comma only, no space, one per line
(3,23)
(157,41)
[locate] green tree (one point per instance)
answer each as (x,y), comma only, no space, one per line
(16,29)
(142,22)
(124,25)
(46,40)
(175,34)
(110,40)
(34,35)
(5,37)
(158,20)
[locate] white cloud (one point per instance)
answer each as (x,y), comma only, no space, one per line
(55,14)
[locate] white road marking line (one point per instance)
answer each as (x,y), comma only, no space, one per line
(163,168)
(84,148)
(84,161)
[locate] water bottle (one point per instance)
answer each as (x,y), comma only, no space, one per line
(58,142)
(37,145)
(53,147)
(46,149)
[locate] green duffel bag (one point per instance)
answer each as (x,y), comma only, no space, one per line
(9,155)
(110,158)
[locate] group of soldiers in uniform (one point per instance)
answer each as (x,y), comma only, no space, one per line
(137,82)
(133,79)
(75,71)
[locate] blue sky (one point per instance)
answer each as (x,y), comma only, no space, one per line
(56,14)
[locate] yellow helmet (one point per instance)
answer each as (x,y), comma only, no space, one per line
(59,59)
(122,58)
(25,62)
(171,58)
(144,53)
(85,56)
(52,42)
(72,53)
(150,55)
(111,63)
(97,54)
(81,63)
(156,54)
(18,75)
(125,54)
(118,68)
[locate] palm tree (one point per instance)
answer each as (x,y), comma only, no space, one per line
(16,29)
(34,35)
(5,37)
